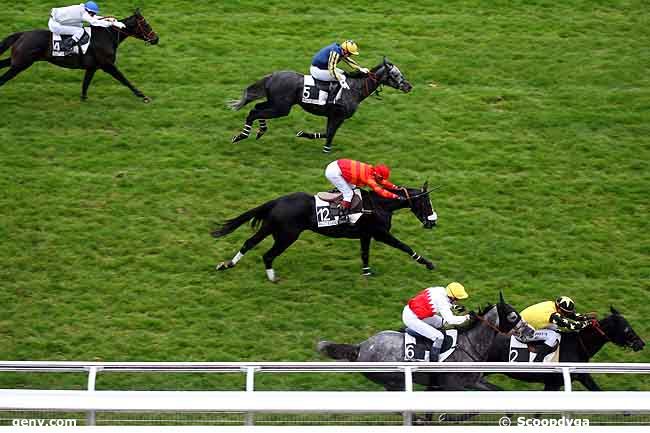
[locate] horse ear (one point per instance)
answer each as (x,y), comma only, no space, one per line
(137,12)
(614,310)
(425,186)
(501,300)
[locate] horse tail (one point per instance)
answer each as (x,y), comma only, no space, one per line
(251,93)
(349,352)
(9,41)
(257,214)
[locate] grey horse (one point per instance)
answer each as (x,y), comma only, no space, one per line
(473,345)
(283,90)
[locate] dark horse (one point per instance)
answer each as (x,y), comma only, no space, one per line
(284,89)
(36,45)
(288,216)
(576,347)
(473,345)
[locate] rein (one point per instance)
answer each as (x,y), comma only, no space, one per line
(372,76)
(148,36)
(595,325)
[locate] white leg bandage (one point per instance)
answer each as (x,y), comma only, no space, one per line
(237,257)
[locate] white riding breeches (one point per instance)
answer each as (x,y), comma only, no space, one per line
(549,336)
(418,325)
(334,175)
(60,29)
(324,74)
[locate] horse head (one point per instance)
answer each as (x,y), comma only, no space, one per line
(390,75)
(138,27)
(510,321)
(617,329)
(420,204)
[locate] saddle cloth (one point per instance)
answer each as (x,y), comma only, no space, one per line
(416,347)
(315,91)
(519,352)
(327,212)
(57,39)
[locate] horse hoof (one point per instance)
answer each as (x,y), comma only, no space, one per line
(327,149)
(300,133)
(84,98)
(237,138)
(367,272)
(224,265)
(431,266)
(146,99)
(259,134)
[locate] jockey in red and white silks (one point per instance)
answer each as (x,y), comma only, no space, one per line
(434,303)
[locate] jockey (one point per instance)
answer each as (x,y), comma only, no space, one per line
(549,316)
(323,65)
(435,304)
(69,21)
(345,174)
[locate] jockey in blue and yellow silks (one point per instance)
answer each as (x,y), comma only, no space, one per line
(548,317)
(323,65)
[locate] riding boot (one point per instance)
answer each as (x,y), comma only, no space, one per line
(344,215)
(67,45)
(542,351)
(434,354)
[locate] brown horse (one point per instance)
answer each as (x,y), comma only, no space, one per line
(35,45)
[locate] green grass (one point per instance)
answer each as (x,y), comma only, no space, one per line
(533,115)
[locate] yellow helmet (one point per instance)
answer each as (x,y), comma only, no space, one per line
(351,47)
(456,290)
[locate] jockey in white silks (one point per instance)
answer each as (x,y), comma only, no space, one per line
(69,21)
(434,304)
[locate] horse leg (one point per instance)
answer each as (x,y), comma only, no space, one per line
(365,255)
(333,124)
(283,240)
(112,70)
(311,135)
(391,240)
(5,63)
(88,77)
(12,72)
(250,243)
(262,111)
(587,381)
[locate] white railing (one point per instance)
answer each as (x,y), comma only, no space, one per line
(251,401)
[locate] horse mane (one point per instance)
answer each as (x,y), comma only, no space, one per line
(483,311)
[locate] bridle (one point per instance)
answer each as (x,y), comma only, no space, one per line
(147,35)
(491,326)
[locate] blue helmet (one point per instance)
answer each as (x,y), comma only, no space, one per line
(92,7)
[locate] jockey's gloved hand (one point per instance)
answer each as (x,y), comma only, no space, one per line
(364,70)
(400,198)
(119,25)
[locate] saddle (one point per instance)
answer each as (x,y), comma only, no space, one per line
(416,346)
(336,198)
(59,42)
(319,92)
(327,208)
(526,352)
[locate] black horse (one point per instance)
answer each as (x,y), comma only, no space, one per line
(284,89)
(576,347)
(36,45)
(288,216)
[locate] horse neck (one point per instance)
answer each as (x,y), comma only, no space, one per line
(388,204)
(590,340)
(482,336)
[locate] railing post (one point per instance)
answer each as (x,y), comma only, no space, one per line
(408,387)
(91,418)
(566,375)
(250,387)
